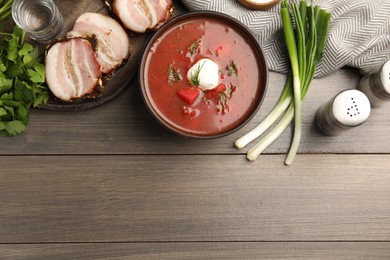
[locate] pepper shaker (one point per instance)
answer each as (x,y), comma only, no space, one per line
(346,110)
(376,85)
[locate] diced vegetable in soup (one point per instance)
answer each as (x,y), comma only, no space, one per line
(203,77)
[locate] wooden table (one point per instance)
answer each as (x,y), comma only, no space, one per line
(111,183)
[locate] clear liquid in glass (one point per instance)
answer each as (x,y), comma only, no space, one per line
(40,18)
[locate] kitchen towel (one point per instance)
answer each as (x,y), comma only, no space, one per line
(359,34)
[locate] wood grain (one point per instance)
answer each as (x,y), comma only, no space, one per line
(126,127)
(194,198)
(111,183)
(187,251)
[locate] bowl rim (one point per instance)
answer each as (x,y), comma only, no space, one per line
(246,33)
(253,5)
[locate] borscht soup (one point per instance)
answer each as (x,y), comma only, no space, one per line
(203,75)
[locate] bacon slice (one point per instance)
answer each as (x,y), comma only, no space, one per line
(141,15)
(113,45)
(72,70)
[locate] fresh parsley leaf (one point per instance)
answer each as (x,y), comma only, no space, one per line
(3,112)
(12,49)
(3,68)
(23,113)
(41,98)
(37,75)
(5,83)
(14,127)
(26,49)
(14,70)
(22,78)
(24,53)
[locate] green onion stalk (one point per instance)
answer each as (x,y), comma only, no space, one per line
(305,46)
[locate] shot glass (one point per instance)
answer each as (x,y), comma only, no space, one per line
(41,19)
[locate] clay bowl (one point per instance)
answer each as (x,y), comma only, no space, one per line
(202,113)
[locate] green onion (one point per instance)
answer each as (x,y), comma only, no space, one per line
(297,60)
(305,47)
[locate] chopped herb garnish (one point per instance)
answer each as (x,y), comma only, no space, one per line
(230,90)
(173,75)
(210,52)
(232,68)
(223,98)
(194,79)
(193,49)
(222,102)
(220,96)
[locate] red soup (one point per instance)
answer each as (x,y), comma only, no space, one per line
(179,100)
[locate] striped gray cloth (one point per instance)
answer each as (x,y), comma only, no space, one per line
(359,34)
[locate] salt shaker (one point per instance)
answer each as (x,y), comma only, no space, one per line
(346,110)
(376,85)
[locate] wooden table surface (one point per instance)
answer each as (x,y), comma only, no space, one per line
(111,183)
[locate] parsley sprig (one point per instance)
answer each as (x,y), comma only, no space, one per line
(21,82)
(5,9)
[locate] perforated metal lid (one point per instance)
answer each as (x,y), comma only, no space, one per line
(351,107)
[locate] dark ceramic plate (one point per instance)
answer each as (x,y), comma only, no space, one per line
(113,86)
(120,78)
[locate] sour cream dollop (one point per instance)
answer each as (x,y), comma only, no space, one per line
(206,71)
